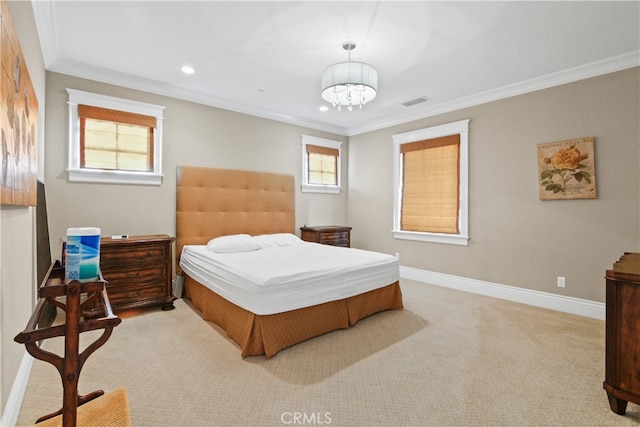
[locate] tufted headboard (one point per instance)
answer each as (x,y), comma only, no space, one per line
(217,202)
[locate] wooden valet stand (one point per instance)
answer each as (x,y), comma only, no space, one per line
(67,296)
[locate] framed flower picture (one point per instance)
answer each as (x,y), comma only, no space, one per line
(566,170)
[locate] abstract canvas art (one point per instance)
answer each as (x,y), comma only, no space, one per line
(18,120)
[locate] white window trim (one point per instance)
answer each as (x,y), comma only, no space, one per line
(461,128)
(112,177)
(318,188)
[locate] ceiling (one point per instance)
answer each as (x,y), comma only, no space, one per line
(266,58)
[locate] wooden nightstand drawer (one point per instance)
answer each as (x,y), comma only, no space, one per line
(135,254)
(140,294)
(334,235)
(340,238)
(116,276)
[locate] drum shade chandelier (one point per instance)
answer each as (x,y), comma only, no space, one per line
(349,83)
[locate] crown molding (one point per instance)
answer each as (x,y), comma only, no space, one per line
(44,14)
(159,88)
(610,65)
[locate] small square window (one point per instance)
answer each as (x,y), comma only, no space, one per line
(320,165)
(114,140)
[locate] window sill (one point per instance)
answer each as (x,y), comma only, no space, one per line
(306,188)
(114,177)
(450,239)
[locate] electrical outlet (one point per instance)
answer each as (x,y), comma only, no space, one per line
(561,282)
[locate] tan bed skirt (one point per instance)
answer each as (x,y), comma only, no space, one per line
(268,334)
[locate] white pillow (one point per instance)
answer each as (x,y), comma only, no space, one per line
(233,243)
(277,239)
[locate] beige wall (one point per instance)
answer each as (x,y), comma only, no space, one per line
(517,239)
(194,135)
(17,247)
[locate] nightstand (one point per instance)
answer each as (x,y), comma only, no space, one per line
(138,270)
(335,235)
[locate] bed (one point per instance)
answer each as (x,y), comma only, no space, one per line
(219,208)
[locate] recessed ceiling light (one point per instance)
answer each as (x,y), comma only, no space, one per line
(324,108)
(187,69)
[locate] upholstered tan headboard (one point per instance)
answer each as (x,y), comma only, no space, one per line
(217,202)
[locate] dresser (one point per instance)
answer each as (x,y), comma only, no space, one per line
(622,325)
(335,235)
(138,270)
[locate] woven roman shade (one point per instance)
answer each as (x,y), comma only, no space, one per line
(115,140)
(430,187)
(98,113)
(322,150)
(323,164)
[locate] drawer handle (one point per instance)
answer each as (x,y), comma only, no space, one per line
(133,274)
(132,294)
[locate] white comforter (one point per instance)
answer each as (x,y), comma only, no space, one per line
(282,278)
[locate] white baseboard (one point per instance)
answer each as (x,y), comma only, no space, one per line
(581,307)
(14,402)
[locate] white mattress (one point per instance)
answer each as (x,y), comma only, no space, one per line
(282,278)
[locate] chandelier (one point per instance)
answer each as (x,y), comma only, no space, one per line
(349,83)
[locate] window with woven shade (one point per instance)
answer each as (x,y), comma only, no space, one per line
(114,140)
(430,185)
(320,165)
(323,165)
(430,191)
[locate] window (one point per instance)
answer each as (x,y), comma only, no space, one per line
(320,165)
(113,140)
(431,184)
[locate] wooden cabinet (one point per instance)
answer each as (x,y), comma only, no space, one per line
(138,271)
(622,342)
(335,235)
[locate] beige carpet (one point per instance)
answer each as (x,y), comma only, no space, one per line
(448,359)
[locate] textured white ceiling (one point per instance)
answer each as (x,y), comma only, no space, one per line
(266,58)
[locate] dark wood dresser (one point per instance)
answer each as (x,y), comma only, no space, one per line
(138,270)
(622,345)
(335,235)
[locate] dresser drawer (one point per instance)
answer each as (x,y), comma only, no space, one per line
(142,273)
(126,294)
(132,254)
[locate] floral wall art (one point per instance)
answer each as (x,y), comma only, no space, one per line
(566,170)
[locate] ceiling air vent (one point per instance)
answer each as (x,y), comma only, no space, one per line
(416,101)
